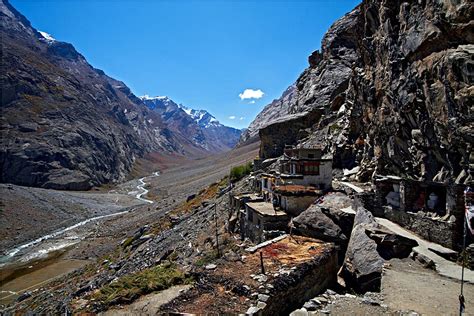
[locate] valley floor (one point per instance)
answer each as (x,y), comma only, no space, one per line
(406,286)
(30,213)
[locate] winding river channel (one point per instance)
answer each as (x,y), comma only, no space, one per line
(69,238)
(37,262)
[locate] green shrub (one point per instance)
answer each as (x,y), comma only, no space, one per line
(130,287)
(237,173)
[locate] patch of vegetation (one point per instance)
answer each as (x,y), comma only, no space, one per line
(127,242)
(335,128)
(207,258)
(208,193)
(237,173)
(130,287)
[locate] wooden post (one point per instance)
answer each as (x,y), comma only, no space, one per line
(261,263)
(217,231)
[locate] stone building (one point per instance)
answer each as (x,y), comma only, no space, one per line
(294,199)
(433,210)
(268,184)
(288,186)
(260,219)
(238,213)
(306,166)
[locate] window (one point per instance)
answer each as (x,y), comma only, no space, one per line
(311,169)
(311,156)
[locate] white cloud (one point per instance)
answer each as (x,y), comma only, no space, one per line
(251,94)
(241,118)
(232,117)
(252,102)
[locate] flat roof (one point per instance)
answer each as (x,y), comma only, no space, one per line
(292,189)
(251,196)
(265,208)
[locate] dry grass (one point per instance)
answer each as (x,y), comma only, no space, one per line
(207,194)
(130,287)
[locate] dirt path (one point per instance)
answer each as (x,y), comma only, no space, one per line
(443,267)
(149,304)
(406,285)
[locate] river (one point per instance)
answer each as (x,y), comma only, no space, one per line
(34,263)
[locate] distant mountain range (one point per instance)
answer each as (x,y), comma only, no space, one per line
(198,126)
(67,125)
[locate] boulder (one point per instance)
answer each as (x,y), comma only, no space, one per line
(315,224)
(369,246)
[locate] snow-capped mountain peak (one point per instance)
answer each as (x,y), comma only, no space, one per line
(201,117)
(47,36)
(199,126)
(147,97)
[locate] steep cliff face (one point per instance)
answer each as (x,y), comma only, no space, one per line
(65,124)
(199,127)
(277,110)
(394,85)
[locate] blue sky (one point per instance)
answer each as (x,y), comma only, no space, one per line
(199,53)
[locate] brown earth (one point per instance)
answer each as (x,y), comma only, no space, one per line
(169,190)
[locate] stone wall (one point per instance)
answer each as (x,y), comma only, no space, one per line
(304,283)
(438,231)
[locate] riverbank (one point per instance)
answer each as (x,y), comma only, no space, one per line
(170,189)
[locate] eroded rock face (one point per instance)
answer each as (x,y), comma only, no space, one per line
(394,83)
(65,124)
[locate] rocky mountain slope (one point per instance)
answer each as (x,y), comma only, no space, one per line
(391,91)
(198,126)
(65,124)
(277,110)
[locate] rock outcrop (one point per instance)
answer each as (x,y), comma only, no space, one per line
(392,89)
(277,110)
(315,224)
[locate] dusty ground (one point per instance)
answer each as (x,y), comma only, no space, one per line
(28,213)
(31,213)
(407,289)
(149,304)
(406,285)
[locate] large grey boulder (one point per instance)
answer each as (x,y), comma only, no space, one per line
(362,267)
(327,220)
(369,246)
(314,223)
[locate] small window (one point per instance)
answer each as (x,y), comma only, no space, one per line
(310,156)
